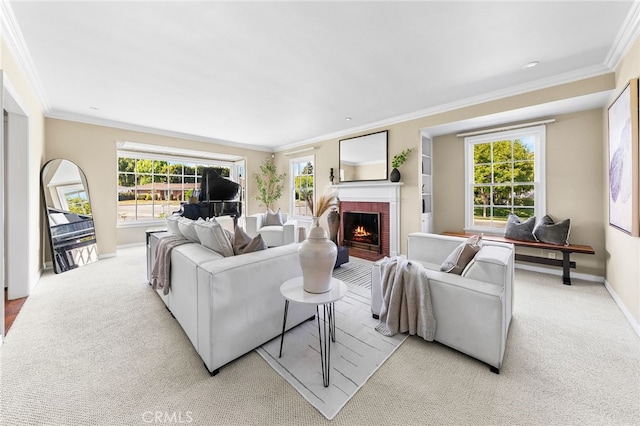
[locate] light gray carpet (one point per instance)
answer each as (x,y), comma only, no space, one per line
(96,346)
(359,350)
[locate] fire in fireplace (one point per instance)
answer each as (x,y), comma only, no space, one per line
(362,230)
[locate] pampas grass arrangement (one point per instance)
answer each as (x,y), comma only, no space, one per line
(325,202)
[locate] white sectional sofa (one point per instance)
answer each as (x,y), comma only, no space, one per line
(472,310)
(228,306)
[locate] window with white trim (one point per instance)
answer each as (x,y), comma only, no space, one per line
(302,184)
(74,198)
(151,186)
(504,174)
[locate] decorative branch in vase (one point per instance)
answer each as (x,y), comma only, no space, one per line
(397,161)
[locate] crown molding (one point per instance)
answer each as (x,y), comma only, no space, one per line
(569,77)
(627,35)
(79,118)
(11,33)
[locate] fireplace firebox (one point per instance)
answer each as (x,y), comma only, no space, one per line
(362,230)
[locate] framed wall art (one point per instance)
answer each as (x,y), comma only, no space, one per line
(623,161)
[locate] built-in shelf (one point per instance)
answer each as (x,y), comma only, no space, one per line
(426,183)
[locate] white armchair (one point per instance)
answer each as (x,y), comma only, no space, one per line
(472,310)
(272,235)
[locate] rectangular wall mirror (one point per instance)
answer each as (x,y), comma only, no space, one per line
(364,157)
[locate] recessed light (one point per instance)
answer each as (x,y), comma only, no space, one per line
(348,118)
(94,108)
(530,64)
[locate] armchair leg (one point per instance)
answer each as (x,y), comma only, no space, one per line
(494,369)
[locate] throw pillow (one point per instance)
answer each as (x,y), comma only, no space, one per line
(172,225)
(548,231)
(518,230)
(188,230)
(214,237)
(271,218)
(243,243)
(462,255)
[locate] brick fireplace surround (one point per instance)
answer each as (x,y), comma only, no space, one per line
(375,196)
(365,206)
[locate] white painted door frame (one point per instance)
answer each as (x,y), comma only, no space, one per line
(2,223)
(15,184)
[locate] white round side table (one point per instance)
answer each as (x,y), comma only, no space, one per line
(293,291)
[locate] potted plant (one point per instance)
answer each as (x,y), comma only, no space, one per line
(269,184)
(396,162)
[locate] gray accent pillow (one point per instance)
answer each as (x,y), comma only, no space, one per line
(548,231)
(462,255)
(214,237)
(243,243)
(271,218)
(519,230)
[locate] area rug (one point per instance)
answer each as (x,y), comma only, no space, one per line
(356,271)
(357,353)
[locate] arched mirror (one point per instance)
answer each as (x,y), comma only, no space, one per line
(68,211)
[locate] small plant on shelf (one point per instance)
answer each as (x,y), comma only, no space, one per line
(399,159)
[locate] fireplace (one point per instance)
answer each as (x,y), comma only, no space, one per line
(362,230)
(373,197)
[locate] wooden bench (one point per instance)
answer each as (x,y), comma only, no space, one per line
(566,262)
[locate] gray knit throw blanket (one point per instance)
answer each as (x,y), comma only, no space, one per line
(161,271)
(406,299)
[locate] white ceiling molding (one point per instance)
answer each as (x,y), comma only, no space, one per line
(505,128)
(533,112)
(298,151)
(151,130)
(556,80)
(174,151)
(15,41)
(626,36)
(14,37)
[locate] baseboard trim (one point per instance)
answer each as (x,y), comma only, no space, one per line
(634,324)
(558,272)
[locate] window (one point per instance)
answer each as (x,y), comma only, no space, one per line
(152,186)
(302,184)
(504,174)
(74,198)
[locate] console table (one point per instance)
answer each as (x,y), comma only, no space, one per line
(293,291)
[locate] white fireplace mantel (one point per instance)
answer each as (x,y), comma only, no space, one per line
(377,192)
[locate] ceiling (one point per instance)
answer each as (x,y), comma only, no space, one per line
(273,75)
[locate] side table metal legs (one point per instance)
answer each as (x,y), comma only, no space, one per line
(284,324)
(326,335)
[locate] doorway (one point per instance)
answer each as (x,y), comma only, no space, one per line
(15,180)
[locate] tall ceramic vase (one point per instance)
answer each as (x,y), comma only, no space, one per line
(333,221)
(317,256)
